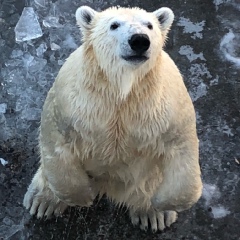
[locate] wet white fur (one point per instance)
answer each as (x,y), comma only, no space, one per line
(112,45)
(127,130)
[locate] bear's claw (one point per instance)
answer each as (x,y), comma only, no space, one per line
(158,220)
(43,202)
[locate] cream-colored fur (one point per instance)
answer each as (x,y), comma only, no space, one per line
(116,128)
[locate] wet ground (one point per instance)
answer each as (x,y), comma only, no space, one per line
(204,42)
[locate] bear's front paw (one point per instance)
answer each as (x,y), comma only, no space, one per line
(158,220)
(82,196)
(43,202)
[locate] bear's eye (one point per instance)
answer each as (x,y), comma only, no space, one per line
(150,26)
(114,26)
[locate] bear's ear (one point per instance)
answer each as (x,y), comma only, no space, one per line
(84,16)
(165,17)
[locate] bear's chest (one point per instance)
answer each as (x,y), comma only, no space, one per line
(120,133)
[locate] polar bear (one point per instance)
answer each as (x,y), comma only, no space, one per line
(118,121)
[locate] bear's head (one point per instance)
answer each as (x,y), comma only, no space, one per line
(126,42)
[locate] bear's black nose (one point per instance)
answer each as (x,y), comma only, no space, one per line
(139,43)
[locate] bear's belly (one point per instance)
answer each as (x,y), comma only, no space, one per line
(120,152)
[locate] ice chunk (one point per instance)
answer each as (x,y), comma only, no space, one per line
(3,162)
(13,63)
(51,22)
(3,107)
(54,46)
(41,49)
(8,221)
(60,62)
(9,231)
(63,39)
(33,64)
(41,3)
(2,119)
(28,26)
(69,42)
(31,114)
(16,53)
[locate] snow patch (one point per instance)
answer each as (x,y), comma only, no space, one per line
(198,117)
(219,2)
(190,27)
(228,46)
(198,92)
(3,162)
(188,52)
(198,88)
(199,70)
(219,212)
(210,192)
(224,128)
(3,107)
(214,81)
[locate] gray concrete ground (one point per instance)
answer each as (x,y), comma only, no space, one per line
(204,42)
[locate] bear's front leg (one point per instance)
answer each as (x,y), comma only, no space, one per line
(41,200)
(181,186)
(60,181)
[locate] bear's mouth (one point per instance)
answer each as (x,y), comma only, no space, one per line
(135,58)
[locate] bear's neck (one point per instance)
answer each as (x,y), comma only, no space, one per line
(122,82)
(115,82)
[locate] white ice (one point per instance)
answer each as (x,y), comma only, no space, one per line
(51,21)
(69,42)
(214,81)
(227,46)
(198,88)
(219,212)
(187,51)
(224,128)
(198,92)
(199,70)
(54,46)
(41,49)
(190,27)
(3,162)
(3,107)
(219,2)
(9,228)
(211,195)
(28,26)
(210,192)
(41,3)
